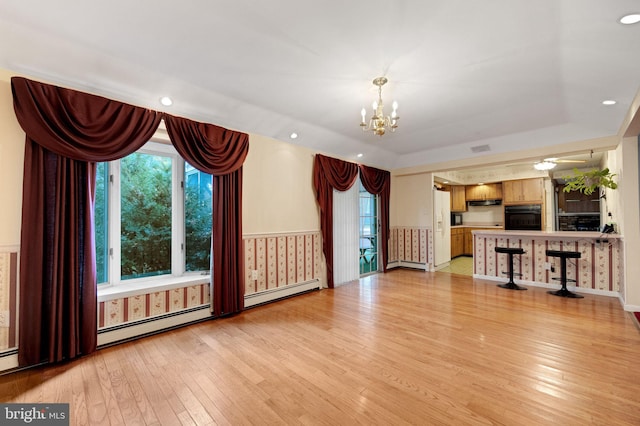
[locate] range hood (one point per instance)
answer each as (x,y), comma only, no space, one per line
(485,203)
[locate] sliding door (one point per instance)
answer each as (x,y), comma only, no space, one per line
(345,235)
(368,231)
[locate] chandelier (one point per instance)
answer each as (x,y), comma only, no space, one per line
(379,123)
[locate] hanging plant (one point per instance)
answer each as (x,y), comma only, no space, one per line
(589,182)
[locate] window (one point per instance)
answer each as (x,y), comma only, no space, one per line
(152,215)
(197,205)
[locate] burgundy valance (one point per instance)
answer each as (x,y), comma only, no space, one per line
(209,148)
(78,125)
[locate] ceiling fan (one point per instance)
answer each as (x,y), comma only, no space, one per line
(550,163)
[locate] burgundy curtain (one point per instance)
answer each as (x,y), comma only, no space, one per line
(220,152)
(378,182)
(67,132)
(329,174)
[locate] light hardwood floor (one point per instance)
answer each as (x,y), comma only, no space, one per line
(405,347)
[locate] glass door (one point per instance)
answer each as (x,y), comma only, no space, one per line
(368,232)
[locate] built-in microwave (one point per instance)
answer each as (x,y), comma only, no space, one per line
(456,219)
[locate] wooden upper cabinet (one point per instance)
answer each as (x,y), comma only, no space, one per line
(489,191)
(523,191)
(577,202)
(458,199)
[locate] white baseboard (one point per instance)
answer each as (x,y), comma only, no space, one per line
(279,293)
(441,266)
(630,308)
(405,264)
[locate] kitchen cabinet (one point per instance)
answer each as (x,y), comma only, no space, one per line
(577,202)
(489,191)
(457,242)
(468,241)
(523,191)
(468,237)
(458,199)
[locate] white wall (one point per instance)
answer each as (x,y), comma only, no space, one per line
(549,205)
(611,208)
(627,202)
(411,201)
(278,195)
(11,165)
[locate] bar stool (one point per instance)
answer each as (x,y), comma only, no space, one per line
(564,255)
(511,251)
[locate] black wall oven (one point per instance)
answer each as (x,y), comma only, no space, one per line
(523,218)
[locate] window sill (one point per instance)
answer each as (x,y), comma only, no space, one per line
(139,287)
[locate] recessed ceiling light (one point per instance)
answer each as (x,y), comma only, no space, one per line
(359,155)
(609,102)
(633,18)
(166,101)
(293,135)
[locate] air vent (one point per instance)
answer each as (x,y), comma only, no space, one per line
(480,148)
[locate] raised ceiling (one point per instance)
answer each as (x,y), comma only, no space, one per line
(506,74)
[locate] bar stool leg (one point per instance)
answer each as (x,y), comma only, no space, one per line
(564,292)
(511,285)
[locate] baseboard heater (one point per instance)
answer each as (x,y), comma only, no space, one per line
(271,295)
(8,361)
(148,326)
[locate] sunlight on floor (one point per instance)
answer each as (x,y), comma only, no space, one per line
(462,265)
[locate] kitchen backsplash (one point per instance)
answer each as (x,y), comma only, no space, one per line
(483,214)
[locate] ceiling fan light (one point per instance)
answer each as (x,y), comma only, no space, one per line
(544,165)
(633,18)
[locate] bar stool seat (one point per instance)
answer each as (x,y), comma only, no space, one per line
(511,251)
(563,256)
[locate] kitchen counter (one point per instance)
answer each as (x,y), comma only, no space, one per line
(471,225)
(599,270)
(563,235)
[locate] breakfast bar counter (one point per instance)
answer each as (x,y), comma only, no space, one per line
(599,270)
